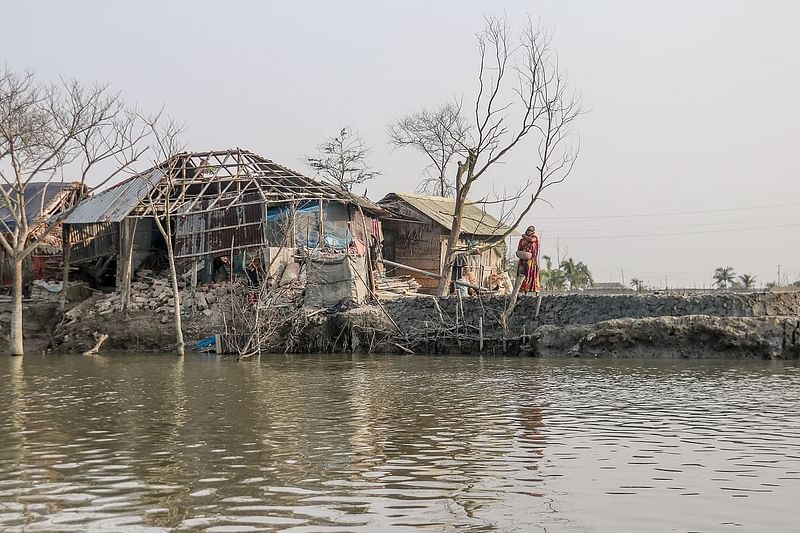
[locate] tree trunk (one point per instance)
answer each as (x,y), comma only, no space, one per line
(128,235)
(462,191)
(15,344)
(452,241)
(176,295)
(65,280)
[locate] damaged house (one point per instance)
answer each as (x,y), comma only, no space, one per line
(227,209)
(416,233)
(44,203)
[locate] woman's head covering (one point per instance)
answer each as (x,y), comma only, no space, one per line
(530,228)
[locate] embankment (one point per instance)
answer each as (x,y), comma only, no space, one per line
(758,324)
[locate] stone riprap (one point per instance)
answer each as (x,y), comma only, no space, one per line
(758,324)
(574,309)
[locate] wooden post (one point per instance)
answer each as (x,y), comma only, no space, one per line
(67,246)
(321,222)
(514,295)
(458,337)
(230,259)
(538,306)
(370,273)
(194,273)
(480,334)
(128,235)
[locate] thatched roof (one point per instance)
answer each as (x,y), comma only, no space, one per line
(440,210)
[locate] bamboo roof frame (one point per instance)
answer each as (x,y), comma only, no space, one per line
(198,182)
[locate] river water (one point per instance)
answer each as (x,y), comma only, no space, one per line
(388,443)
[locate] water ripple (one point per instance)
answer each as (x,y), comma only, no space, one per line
(148,443)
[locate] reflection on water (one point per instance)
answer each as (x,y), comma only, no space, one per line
(141,443)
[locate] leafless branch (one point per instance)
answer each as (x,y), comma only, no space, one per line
(342,160)
(522,92)
(49,131)
(439,135)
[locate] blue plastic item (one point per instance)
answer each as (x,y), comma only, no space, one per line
(205,344)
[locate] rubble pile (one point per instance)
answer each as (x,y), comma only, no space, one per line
(41,291)
(156,296)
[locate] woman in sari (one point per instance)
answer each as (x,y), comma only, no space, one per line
(528,266)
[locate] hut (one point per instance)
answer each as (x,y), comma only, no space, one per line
(45,203)
(416,233)
(230,205)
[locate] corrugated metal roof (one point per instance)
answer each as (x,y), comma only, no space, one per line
(40,198)
(114,204)
(475,221)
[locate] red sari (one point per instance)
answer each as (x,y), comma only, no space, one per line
(529,268)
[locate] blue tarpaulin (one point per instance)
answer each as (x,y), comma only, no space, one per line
(336,232)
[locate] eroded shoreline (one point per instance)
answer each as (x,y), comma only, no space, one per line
(755,325)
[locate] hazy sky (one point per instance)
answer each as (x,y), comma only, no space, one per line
(692,107)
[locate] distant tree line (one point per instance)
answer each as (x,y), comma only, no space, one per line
(726,277)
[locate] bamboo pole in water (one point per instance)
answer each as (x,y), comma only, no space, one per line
(480,334)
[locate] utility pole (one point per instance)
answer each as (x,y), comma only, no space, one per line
(778,281)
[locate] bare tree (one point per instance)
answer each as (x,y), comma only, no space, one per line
(168,168)
(522,94)
(438,134)
(342,159)
(47,132)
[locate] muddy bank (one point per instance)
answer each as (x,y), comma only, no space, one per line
(762,324)
(41,319)
(693,336)
(577,309)
(759,325)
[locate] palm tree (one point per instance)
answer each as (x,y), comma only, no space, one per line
(747,281)
(637,284)
(554,280)
(586,274)
(570,270)
(577,274)
(724,276)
